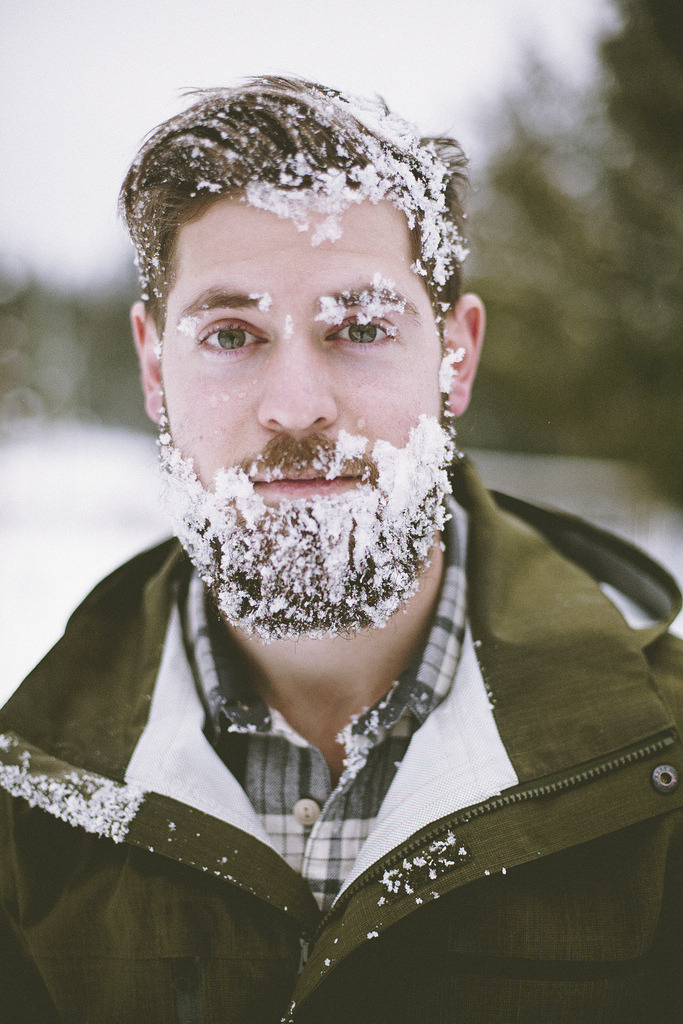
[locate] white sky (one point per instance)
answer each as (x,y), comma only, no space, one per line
(83,81)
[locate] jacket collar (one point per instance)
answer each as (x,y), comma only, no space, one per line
(567,676)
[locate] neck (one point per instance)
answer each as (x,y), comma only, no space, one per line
(320,685)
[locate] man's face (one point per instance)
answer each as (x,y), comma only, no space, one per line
(273,340)
(271,292)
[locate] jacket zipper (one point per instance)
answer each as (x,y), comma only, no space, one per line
(496,803)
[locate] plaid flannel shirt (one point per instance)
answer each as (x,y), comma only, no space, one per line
(279,769)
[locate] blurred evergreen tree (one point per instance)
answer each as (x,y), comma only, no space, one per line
(68,354)
(577,240)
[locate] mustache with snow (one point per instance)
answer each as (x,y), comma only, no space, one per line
(313,567)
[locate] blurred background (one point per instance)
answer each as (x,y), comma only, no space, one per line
(572,113)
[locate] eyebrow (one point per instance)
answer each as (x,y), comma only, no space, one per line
(216,298)
(353,298)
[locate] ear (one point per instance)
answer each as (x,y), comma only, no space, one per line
(463,334)
(147,344)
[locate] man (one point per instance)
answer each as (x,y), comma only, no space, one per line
(369,744)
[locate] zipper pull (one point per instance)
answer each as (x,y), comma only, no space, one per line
(305,944)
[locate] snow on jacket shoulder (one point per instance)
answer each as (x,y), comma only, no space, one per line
(540,883)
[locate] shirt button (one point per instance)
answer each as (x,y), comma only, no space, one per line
(664,778)
(306,811)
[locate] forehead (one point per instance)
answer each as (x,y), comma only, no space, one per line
(233,242)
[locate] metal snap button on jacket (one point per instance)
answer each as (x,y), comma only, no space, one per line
(306,811)
(664,778)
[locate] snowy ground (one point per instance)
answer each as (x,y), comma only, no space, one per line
(76,501)
(73,506)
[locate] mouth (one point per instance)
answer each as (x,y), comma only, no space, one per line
(303,485)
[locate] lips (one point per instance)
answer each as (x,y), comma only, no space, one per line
(308,485)
(288,476)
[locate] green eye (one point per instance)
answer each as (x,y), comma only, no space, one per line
(231,337)
(363,333)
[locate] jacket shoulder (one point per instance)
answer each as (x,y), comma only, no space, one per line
(607,557)
(89,697)
(501,521)
(131,577)
(629,571)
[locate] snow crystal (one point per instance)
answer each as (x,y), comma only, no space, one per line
(356,749)
(288,329)
(357,744)
(80,798)
(348,448)
(263,300)
(439,857)
(209,186)
(319,566)
(188,325)
(447,370)
(391,881)
(332,311)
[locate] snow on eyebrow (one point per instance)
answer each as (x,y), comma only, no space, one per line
(376,300)
(263,300)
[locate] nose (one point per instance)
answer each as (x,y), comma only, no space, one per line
(296,397)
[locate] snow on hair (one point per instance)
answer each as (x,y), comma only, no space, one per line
(272,139)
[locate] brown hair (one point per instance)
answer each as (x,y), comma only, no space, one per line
(290,133)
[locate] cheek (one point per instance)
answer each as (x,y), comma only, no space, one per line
(411,384)
(192,395)
(205,421)
(389,407)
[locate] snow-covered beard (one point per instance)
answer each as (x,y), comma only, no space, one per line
(322,566)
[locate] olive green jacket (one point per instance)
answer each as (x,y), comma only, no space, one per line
(557,899)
